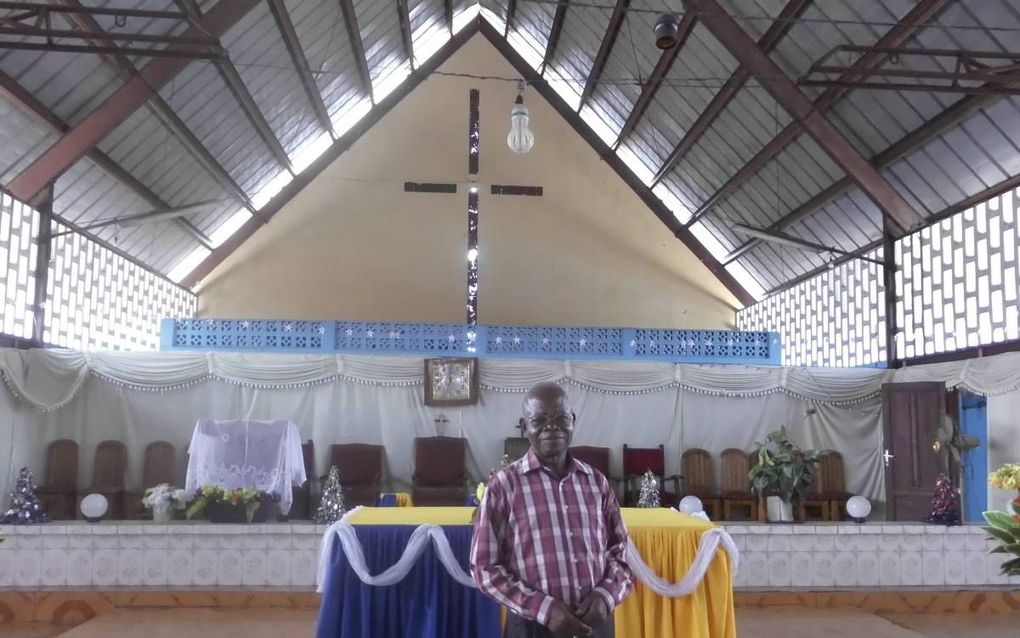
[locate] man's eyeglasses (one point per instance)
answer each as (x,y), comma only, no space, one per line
(562,421)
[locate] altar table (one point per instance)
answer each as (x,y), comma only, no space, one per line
(430,604)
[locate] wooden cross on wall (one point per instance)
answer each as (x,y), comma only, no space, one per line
(474,141)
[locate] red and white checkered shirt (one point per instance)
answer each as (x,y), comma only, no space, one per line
(538,539)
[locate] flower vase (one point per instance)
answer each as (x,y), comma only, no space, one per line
(162,513)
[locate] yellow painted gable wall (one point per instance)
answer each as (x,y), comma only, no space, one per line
(354,245)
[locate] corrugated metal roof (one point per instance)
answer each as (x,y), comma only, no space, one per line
(981,151)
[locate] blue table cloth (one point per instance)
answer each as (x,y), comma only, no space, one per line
(428,603)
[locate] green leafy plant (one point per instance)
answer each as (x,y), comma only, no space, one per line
(783,469)
(250,498)
(1005,528)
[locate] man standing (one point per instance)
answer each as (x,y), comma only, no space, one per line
(549,541)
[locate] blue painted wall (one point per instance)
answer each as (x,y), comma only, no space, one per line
(974,422)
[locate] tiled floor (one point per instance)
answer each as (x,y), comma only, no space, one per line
(773,622)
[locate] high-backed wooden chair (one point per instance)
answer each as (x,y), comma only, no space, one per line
(158,467)
(361,467)
(597,457)
(815,506)
(515,447)
(637,461)
(301,503)
(736,486)
(59,493)
(696,467)
(108,478)
(440,471)
(830,469)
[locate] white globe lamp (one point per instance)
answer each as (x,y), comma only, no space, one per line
(94,507)
(858,508)
(691,505)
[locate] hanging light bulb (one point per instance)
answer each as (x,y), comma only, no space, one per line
(520,139)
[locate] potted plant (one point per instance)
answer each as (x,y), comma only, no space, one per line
(162,500)
(782,474)
(223,505)
(1004,527)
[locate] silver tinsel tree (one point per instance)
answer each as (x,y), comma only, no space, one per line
(331,507)
(649,496)
(25,507)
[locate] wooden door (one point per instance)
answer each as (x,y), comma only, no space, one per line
(911,412)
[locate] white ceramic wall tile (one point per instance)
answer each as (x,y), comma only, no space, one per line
(303,564)
(254,567)
(7,559)
(179,567)
(801,569)
(889,573)
(824,543)
(756,564)
(79,567)
(779,569)
(205,567)
(867,569)
(54,567)
(822,569)
(911,568)
(845,565)
(954,567)
(278,567)
(104,567)
(933,567)
(230,568)
(994,573)
(154,564)
(129,567)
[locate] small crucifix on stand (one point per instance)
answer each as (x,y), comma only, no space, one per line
(441,422)
(474,141)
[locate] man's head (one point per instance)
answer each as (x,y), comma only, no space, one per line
(547,420)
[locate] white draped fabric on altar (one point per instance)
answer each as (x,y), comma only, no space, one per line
(138,398)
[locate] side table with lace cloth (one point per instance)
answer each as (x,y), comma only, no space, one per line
(238,454)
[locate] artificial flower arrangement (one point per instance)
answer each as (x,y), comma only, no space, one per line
(1004,527)
(211,495)
(1006,477)
(165,494)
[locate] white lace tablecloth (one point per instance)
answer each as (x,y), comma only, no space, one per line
(265,455)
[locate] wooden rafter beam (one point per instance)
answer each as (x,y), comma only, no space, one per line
(297,57)
(305,177)
(38,111)
(239,90)
(554,34)
(910,24)
(169,118)
(511,11)
(767,43)
(357,46)
(142,87)
(404,13)
(948,118)
(613,160)
(725,29)
(605,49)
(662,67)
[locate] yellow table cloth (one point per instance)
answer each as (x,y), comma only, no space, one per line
(667,542)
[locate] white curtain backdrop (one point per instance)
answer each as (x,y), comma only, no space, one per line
(143,397)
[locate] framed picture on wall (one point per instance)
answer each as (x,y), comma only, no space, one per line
(451,382)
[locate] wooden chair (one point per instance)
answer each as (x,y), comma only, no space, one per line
(830,469)
(637,461)
(301,503)
(696,467)
(440,471)
(361,467)
(597,457)
(815,506)
(108,478)
(59,493)
(158,467)
(736,487)
(516,447)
